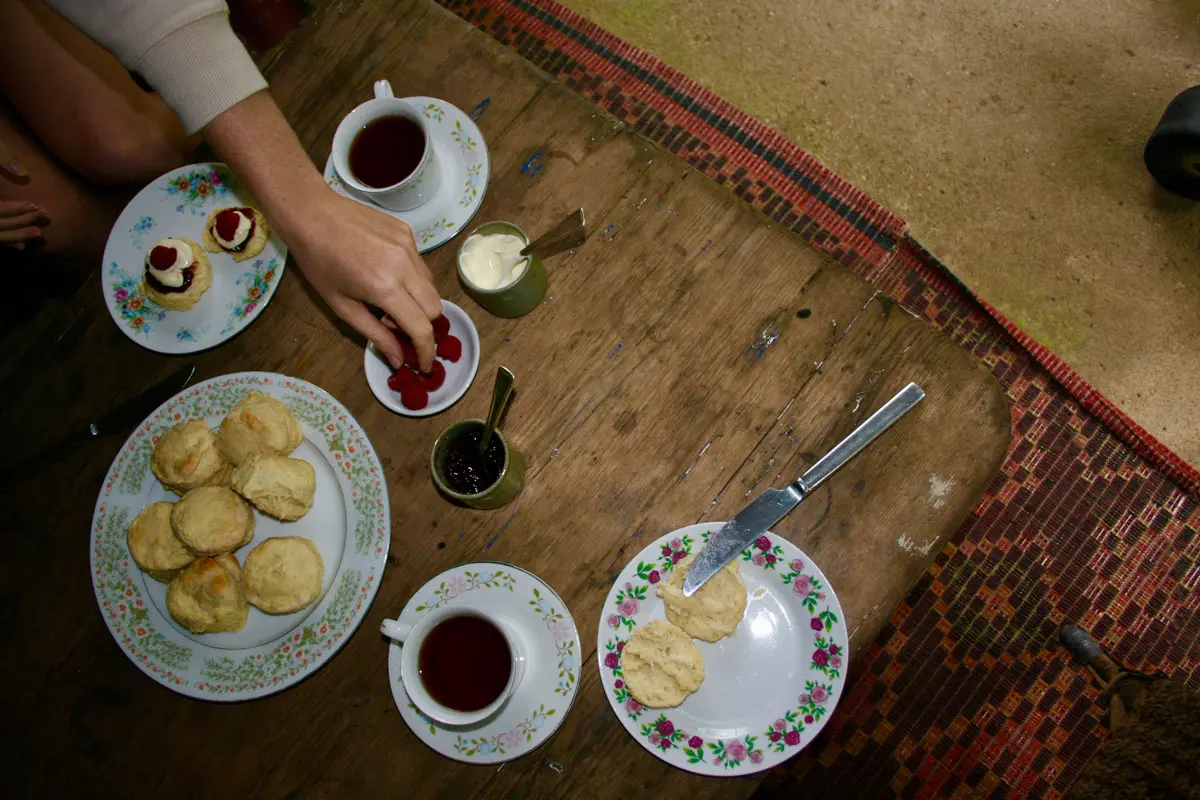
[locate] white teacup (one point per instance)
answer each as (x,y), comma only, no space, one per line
(413,636)
(420,184)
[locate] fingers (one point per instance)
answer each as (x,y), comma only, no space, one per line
(10,163)
(19,220)
(406,313)
(363,321)
(20,235)
(425,295)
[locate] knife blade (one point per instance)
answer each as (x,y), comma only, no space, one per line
(774,504)
(120,419)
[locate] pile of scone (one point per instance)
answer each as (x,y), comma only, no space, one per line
(189,544)
(661,664)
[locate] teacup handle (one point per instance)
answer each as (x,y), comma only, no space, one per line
(390,627)
(383,90)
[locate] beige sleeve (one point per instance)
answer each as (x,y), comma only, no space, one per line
(185,49)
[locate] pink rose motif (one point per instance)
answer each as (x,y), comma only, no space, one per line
(735,751)
(816,624)
(820,658)
(695,742)
(655,738)
(632,706)
(770,558)
(804,698)
(666,551)
(762,543)
(803,586)
(808,718)
(214,178)
(797,564)
(560,630)
(619,684)
(678,556)
(776,736)
(780,725)
(614,621)
(792,739)
(820,694)
(612,661)
(836,662)
(833,649)
(455,586)
(666,727)
(756,757)
(664,743)
(820,595)
(676,544)
(654,577)
(628,586)
(512,739)
(628,607)
(120,295)
(758,560)
(620,646)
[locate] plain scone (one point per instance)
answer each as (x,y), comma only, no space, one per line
(277,485)
(259,424)
(283,574)
(186,457)
(661,665)
(712,612)
(212,520)
(207,596)
(153,544)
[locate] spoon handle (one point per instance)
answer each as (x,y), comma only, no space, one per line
(504,384)
(569,233)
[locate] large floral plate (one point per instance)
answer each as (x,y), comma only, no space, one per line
(177,204)
(535,614)
(349,523)
(768,689)
(463,159)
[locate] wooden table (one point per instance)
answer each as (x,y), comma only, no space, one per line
(648,398)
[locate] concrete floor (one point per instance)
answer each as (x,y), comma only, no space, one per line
(1009,135)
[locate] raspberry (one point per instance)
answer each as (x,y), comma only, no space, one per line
(433,380)
(450,348)
(414,397)
(441,328)
(403,377)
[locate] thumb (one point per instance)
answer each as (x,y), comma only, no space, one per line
(363,321)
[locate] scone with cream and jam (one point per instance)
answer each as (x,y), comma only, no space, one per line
(240,232)
(176,273)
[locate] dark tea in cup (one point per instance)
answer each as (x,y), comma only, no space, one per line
(465,663)
(386,151)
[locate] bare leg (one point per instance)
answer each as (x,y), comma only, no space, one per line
(75,120)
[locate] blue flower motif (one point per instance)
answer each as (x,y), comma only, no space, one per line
(568,661)
(543,606)
(484,577)
(485,747)
(537,721)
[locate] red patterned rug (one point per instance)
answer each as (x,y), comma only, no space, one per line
(1090,519)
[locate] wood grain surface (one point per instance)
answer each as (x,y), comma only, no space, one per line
(685,358)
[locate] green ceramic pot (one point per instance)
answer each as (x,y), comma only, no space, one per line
(506,487)
(518,298)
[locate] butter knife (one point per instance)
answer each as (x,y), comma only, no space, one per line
(773,504)
(118,420)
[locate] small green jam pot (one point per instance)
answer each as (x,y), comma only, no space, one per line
(505,487)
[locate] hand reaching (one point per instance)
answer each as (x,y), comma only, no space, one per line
(18,222)
(354,255)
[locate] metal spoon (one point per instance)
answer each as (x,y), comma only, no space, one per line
(571,232)
(504,384)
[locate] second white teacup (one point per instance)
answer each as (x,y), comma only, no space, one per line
(420,184)
(413,638)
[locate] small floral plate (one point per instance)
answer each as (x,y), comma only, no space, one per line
(348,523)
(541,619)
(768,689)
(177,205)
(463,159)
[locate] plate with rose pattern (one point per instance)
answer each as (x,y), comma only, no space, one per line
(173,205)
(348,522)
(768,689)
(535,614)
(463,159)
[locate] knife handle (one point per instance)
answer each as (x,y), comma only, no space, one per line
(30,466)
(860,437)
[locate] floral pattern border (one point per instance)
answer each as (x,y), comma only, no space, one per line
(786,733)
(157,649)
(512,740)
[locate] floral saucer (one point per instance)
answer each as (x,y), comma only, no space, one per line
(541,619)
(463,159)
(768,689)
(177,204)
